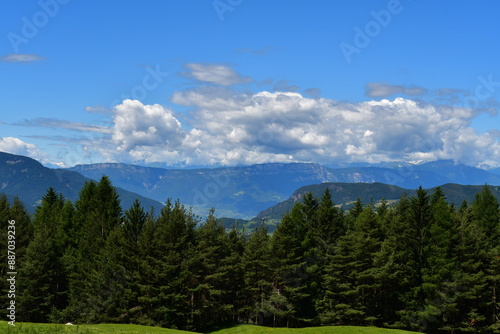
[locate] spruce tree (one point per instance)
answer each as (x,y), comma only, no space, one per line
(233,300)
(290,276)
(210,302)
(45,283)
(257,265)
(352,285)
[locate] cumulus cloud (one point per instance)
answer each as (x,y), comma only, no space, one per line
(20,58)
(289,127)
(376,89)
(136,125)
(226,127)
(16,146)
(216,74)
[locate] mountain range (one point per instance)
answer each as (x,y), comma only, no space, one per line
(29,180)
(243,192)
(235,192)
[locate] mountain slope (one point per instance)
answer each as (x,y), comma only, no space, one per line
(29,180)
(344,194)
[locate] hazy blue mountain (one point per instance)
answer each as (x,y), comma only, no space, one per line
(234,192)
(344,194)
(460,173)
(242,192)
(29,180)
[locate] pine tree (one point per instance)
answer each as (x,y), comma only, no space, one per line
(397,263)
(290,277)
(210,304)
(493,278)
(417,315)
(97,213)
(472,286)
(44,284)
(485,211)
(439,273)
(168,266)
(257,265)
(233,300)
(353,290)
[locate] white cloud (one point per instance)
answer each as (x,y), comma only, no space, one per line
(136,125)
(20,58)
(230,128)
(217,74)
(18,147)
(287,126)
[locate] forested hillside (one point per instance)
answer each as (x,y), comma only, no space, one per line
(421,264)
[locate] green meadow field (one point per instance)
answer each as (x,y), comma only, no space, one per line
(136,329)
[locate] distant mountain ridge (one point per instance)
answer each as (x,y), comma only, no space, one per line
(29,180)
(344,194)
(235,192)
(243,192)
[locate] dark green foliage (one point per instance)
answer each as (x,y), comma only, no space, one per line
(421,264)
(353,291)
(44,286)
(256,261)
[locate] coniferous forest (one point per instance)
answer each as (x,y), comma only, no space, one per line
(421,264)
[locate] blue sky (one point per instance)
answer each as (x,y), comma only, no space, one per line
(235,82)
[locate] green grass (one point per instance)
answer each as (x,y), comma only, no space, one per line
(29,328)
(249,329)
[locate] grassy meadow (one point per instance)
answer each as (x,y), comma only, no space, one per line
(136,329)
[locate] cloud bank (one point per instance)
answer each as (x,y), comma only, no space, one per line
(220,125)
(231,128)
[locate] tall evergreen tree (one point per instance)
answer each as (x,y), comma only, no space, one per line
(233,301)
(168,266)
(290,276)
(209,293)
(439,273)
(472,286)
(352,287)
(44,284)
(97,213)
(257,265)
